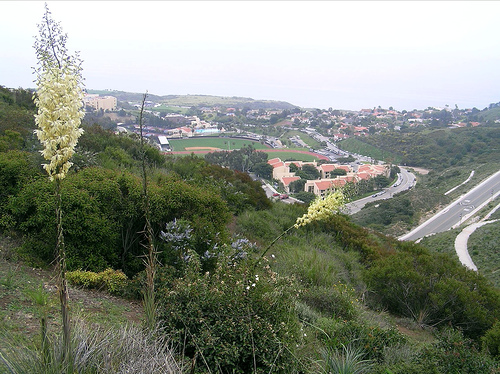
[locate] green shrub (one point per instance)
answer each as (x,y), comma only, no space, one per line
(454,354)
(114,281)
(103,217)
(433,289)
(16,170)
(234,320)
(86,279)
(491,341)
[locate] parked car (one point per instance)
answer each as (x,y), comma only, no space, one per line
(284,196)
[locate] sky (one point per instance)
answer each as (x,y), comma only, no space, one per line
(313,54)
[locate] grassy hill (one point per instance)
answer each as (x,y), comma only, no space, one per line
(355,145)
(198,100)
(490,114)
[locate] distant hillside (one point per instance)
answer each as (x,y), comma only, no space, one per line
(199,100)
(492,113)
(435,149)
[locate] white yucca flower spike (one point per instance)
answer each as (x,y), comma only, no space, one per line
(59,99)
(322,208)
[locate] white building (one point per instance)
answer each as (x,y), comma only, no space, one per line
(100,102)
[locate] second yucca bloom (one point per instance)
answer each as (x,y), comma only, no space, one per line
(322,208)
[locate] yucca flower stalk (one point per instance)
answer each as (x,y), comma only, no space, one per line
(59,98)
(322,208)
(319,210)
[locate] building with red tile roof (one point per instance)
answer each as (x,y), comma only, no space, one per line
(282,173)
(286,182)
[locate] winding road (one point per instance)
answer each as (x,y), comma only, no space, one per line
(405,181)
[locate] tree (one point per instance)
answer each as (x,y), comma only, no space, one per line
(306,197)
(337,172)
(298,185)
(381,181)
(263,170)
(308,172)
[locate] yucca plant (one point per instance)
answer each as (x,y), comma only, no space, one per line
(348,360)
(59,99)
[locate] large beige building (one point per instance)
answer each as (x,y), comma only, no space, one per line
(100,102)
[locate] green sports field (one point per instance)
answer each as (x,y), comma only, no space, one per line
(193,144)
(203,145)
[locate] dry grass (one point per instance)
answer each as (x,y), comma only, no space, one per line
(128,349)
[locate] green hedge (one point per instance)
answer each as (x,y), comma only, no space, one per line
(103,217)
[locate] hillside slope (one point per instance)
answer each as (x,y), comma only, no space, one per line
(198,100)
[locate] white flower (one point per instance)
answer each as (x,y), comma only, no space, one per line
(322,208)
(59,99)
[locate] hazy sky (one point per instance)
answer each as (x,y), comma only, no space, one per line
(339,54)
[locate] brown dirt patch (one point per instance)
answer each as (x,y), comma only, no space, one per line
(201,148)
(420,170)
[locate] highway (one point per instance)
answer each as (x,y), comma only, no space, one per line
(460,210)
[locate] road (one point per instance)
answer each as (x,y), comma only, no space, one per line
(405,181)
(460,210)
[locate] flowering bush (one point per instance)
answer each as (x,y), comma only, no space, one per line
(232,319)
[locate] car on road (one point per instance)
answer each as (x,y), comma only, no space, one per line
(284,196)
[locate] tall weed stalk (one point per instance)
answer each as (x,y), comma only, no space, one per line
(151,255)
